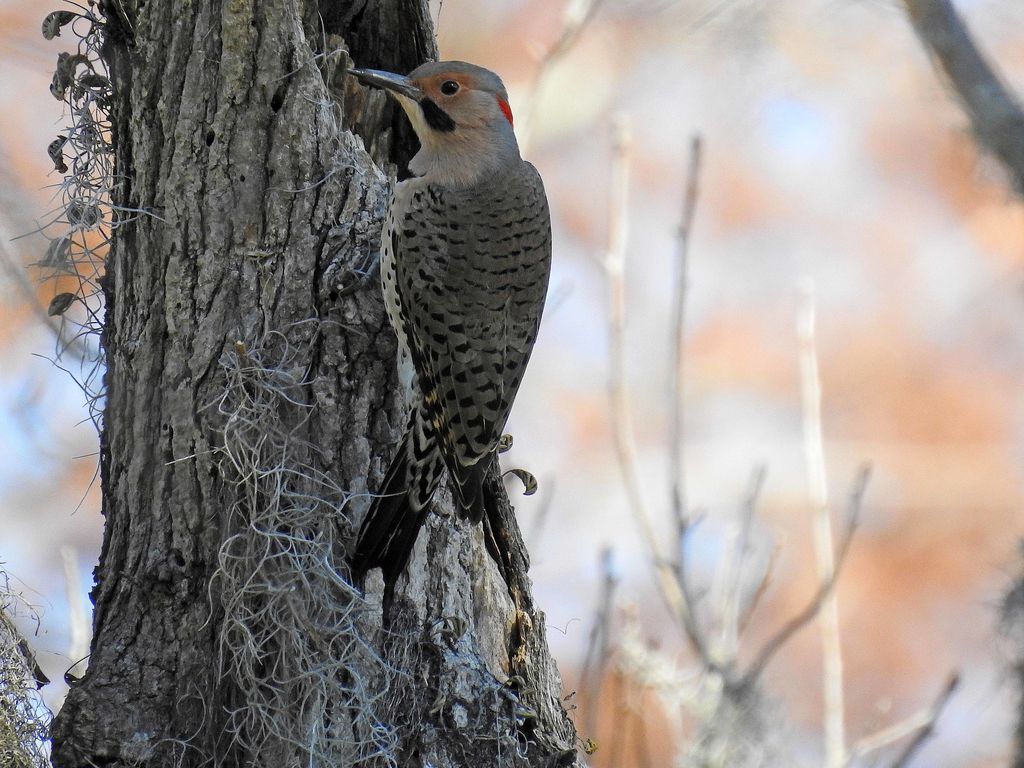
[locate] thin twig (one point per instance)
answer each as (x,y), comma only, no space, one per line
(798,622)
(759,591)
(994,110)
(688,608)
(927,728)
(733,575)
(817,483)
(677,472)
(677,453)
(615,268)
(899,730)
(671,581)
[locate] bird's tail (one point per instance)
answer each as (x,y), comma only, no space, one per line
(469,488)
(389,529)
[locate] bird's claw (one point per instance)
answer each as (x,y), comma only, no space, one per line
(356,280)
(528,480)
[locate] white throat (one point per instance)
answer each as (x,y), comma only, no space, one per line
(464,156)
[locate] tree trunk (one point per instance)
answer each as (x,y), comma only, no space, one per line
(252,402)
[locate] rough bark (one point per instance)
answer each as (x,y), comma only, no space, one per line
(251,403)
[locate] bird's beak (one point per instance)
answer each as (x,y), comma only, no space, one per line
(400,85)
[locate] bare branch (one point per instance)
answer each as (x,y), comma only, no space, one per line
(615,268)
(919,722)
(671,580)
(677,446)
(735,564)
(927,728)
(798,622)
(824,546)
(677,474)
(759,591)
(994,111)
(688,614)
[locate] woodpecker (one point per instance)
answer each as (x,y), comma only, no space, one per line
(465,260)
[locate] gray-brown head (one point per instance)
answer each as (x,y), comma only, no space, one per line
(461,115)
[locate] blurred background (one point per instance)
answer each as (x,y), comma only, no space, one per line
(833,157)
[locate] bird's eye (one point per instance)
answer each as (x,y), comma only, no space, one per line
(449,87)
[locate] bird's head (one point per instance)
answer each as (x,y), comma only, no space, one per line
(461,116)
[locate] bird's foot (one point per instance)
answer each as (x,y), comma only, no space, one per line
(357,279)
(526,478)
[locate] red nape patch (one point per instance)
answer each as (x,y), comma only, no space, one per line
(506,110)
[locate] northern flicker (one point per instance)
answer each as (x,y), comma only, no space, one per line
(465,258)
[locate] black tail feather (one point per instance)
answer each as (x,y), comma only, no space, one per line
(496,532)
(392,523)
(469,488)
(388,533)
